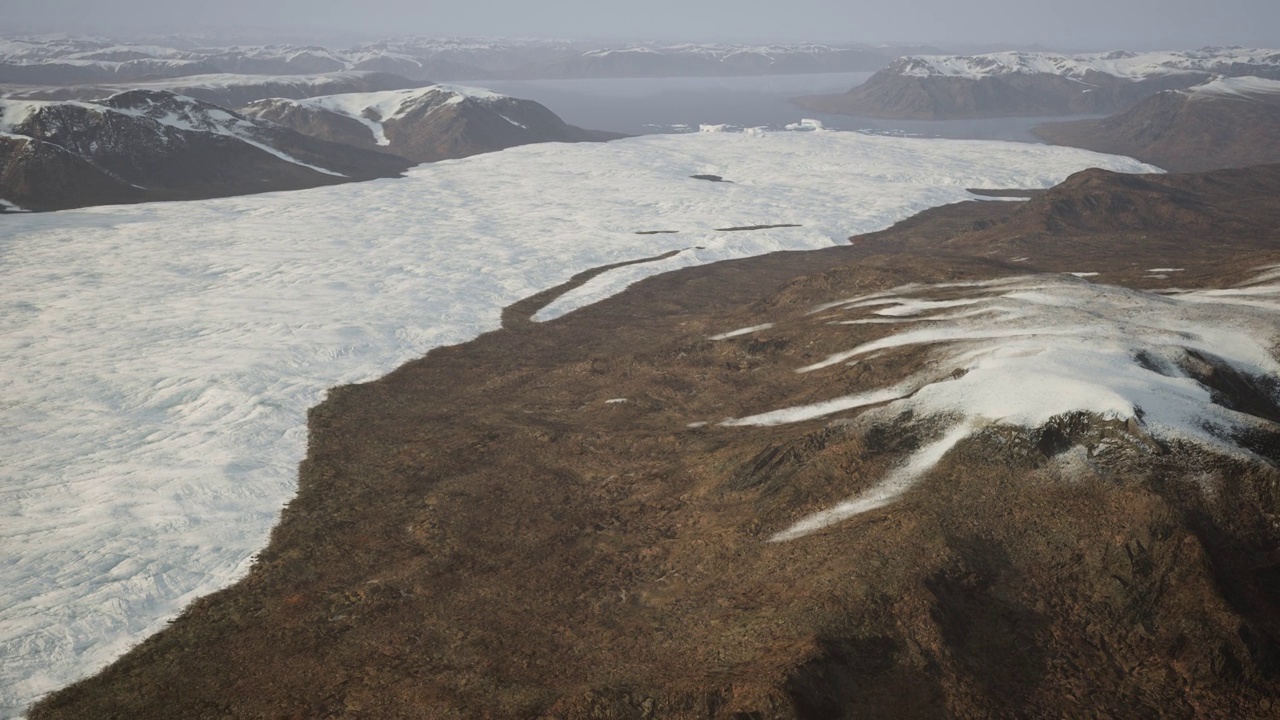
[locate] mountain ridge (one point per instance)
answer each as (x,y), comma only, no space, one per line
(425,124)
(1035,84)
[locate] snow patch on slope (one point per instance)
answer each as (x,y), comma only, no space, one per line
(190,115)
(1038,347)
(1247,88)
(375,109)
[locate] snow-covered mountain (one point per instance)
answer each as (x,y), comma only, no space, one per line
(1033,84)
(62,60)
(1120,64)
(1225,122)
(230,90)
(424,124)
(149,145)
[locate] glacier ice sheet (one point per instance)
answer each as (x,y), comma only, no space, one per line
(157,361)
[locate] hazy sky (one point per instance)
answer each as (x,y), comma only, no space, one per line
(1138,24)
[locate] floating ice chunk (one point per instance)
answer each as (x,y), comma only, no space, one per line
(806,125)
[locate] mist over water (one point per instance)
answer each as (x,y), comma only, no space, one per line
(646,105)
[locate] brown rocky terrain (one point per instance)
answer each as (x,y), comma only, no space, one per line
(491,532)
(1183,131)
(145,145)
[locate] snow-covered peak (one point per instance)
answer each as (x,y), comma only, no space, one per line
(374,109)
(393,104)
(16,112)
(175,111)
(1247,87)
(1132,66)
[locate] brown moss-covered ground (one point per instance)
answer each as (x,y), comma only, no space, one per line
(481,534)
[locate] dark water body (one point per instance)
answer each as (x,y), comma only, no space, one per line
(639,106)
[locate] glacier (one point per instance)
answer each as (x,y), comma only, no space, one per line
(157,361)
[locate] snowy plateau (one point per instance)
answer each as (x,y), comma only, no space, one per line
(157,361)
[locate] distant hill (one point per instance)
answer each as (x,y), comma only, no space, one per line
(425,124)
(232,90)
(147,145)
(1224,123)
(1034,84)
(79,61)
(710,60)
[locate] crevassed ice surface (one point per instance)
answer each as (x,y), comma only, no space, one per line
(157,361)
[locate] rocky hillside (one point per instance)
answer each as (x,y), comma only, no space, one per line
(1035,84)
(426,124)
(1227,122)
(1001,460)
(145,145)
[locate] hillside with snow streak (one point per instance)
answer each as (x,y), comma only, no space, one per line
(144,145)
(1026,351)
(436,122)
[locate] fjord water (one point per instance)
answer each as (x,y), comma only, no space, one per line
(639,106)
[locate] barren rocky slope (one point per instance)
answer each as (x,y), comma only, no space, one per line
(553,520)
(1233,122)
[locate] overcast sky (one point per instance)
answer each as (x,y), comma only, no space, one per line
(1085,24)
